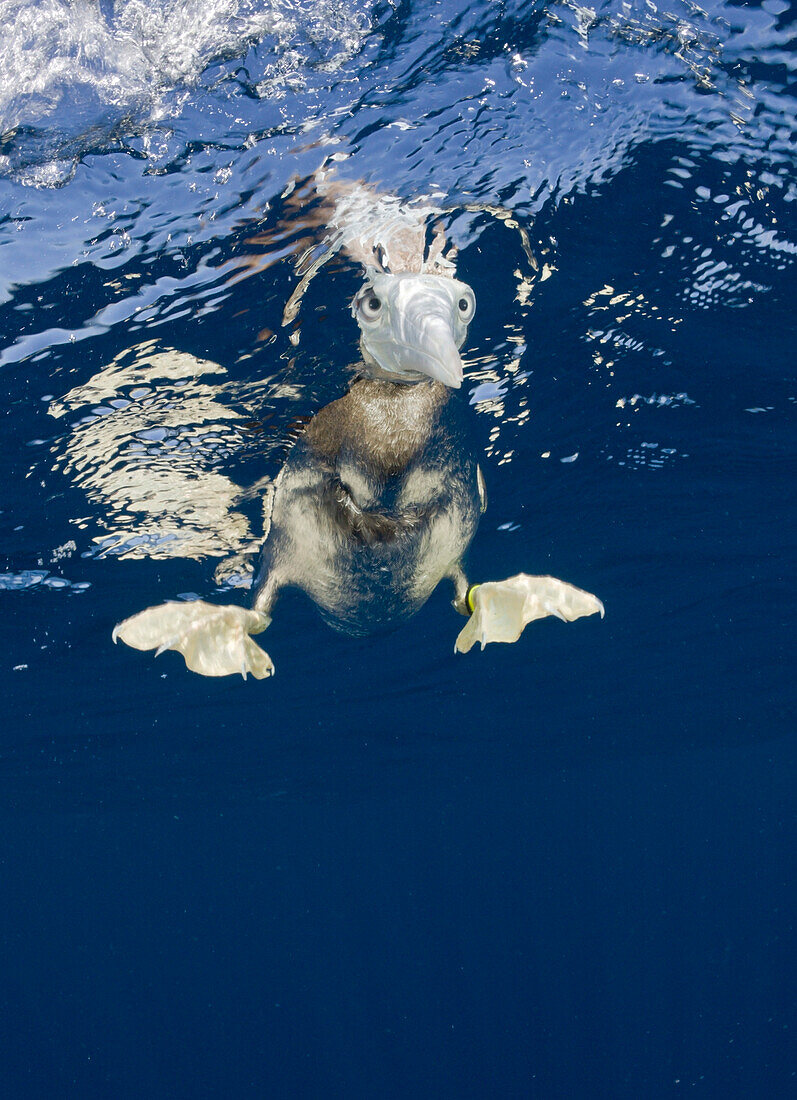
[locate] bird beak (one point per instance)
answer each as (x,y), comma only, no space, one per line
(436,353)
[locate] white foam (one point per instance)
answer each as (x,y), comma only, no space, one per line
(129,54)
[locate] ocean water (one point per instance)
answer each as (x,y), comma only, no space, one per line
(559,868)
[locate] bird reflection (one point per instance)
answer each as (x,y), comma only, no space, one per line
(149,428)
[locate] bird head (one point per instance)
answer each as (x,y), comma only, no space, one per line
(413,326)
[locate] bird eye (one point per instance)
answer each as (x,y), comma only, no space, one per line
(466,307)
(370,306)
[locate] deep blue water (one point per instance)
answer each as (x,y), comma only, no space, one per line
(561,868)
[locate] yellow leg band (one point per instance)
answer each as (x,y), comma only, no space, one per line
(469,598)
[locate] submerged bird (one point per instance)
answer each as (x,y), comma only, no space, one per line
(377,502)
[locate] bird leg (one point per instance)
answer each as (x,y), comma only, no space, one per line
(500,610)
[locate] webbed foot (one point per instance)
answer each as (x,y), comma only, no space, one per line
(213,639)
(501,609)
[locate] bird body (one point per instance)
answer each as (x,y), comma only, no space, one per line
(376,504)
